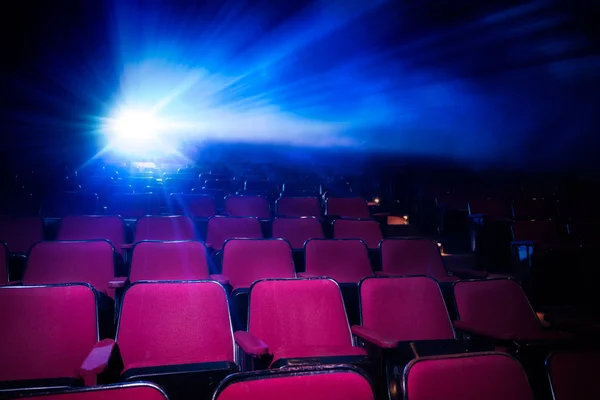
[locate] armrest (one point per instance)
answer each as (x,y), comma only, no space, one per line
(522,243)
(373,337)
(251,345)
(126,246)
(466,327)
(97,361)
(118,282)
(222,279)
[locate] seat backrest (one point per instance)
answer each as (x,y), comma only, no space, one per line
(119,391)
(91,262)
(297,230)
(167,227)
(345,260)
(47,331)
(247,206)
(496,305)
(412,257)
(167,323)
(366,230)
(349,207)
(298,207)
(135,205)
(574,375)
(91,227)
(302,383)
(542,232)
(489,376)
(194,205)
(494,208)
(20,233)
(533,208)
(298,312)
(248,260)
(179,185)
(181,260)
(405,309)
(222,228)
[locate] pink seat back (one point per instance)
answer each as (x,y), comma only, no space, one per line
(297,230)
(247,260)
(172,227)
(366,230)
(169,323)
(247,206)
(489,376)
(314,385)
(298,207)
(183,260)
(343,260)
(542,232)
(47,331)
(194,205)
(348,207)
(574,375)
(20,233)
(412,257)
(91,262)
(494,208)
(496,305)
(222,228)
(405,309)
(298,312)
(92,227)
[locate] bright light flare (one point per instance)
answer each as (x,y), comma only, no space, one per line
(139,132)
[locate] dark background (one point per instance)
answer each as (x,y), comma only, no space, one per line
(480,82)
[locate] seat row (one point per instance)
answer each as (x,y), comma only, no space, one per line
(200,205)
(178,335)
(240,263)
(20,233)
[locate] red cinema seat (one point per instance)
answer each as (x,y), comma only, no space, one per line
(298,321)
(193,205)
(298,207)
(247,206)
(297,230)
(93,227)
(345,260)
(120,391)
(403,309)
(221,229)
(347,207)
(498,309)
(574,375)
(20,233)
(91,262)
(180,260)
(413,257)
(248,260)
(315,383)
(177,335)
(167,227)
(473,376)
(47,333)
(366,230)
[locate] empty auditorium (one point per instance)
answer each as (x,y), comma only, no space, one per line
(300,199)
